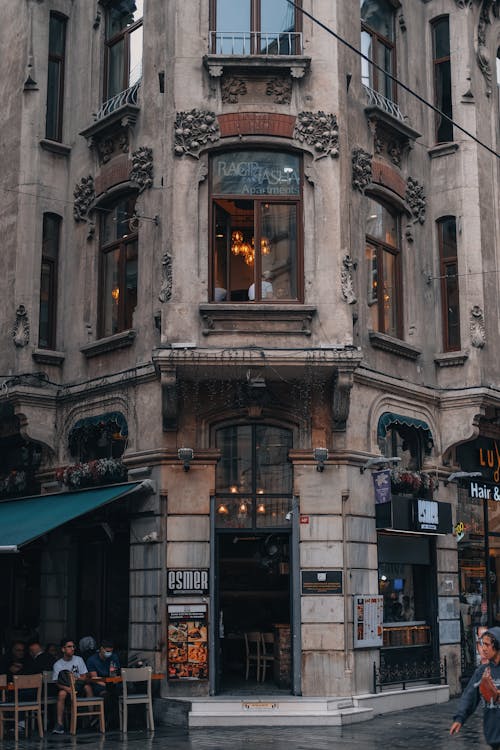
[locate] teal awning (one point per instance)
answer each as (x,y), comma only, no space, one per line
(389,418)
(26,519)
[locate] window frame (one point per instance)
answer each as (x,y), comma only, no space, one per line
(379,39)
(52,262)
(258,201)
(380,248)
(123,34)
(55,133)
(125,316)
(438,97)
(255,27)
(444,263)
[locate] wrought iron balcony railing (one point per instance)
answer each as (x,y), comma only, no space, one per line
(375,99)
(129,96)
(256,43)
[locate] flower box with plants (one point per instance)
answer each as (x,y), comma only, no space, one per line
(15,483)
(416,483)
(93,473)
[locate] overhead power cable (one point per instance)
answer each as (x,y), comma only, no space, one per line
(393,78)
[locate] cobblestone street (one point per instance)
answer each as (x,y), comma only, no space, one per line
(416,729)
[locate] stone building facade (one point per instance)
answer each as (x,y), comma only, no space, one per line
(228,233)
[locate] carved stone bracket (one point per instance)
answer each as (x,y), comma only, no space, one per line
(83,194)
(320,131)
(281,89)
(21,330)
(477,327)
(346,280)
(342,386)
(416,200)
(165,294)
(232,88)
(193,130)
(169,401)
(361,169)
(142,168)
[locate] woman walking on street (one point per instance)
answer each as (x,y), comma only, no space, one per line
(484,684)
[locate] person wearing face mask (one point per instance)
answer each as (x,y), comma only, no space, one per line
(105,663)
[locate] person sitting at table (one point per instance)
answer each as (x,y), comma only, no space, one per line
(70,663)
(105,663)
(14,662)
(38,659)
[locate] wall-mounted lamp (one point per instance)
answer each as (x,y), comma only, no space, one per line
(379,461)
(186,455)
(320,455)
(461,475)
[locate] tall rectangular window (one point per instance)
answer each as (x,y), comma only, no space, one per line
(48,281)
(442,79)
(378,44)
(450,302)
(123,46)
(55,77)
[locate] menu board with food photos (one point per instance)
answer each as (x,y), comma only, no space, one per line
(187,642)
(368,615)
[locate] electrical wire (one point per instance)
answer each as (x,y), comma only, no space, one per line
(393,78)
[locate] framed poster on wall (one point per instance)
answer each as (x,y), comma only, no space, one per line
(368,618)
(187,642)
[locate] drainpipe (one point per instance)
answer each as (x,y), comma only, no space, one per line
(347,660)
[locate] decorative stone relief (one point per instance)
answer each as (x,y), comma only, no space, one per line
(193,130)
(477,327)
(416,200)
(320,131)
(341,400)
(281,89)
(361,169)
(165,294)
(83,194)
(482,52)
(142,168)
(21,330)
(346,280)
(464,3)
(232,88)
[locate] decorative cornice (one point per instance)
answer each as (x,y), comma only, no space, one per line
(193,130)
(320,131)
(262,319)
(108,344)
(451,359)
(361,169)
(394,346)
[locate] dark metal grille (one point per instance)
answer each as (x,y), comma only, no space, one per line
(432,671)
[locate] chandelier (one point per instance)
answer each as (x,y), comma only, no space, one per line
(247,249)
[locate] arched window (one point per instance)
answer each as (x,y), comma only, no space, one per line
(383,259)
(254,476)
(442,78)
(256,226)
(48,281)
(377,43)
(123,45)
(448,272)
(119,266)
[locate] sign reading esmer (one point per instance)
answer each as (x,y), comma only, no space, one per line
(187,582)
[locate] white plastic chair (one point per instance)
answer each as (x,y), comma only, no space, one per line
(136,675)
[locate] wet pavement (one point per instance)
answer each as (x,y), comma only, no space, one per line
(415,729)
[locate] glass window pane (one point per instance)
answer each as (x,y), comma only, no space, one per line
(379,16)
(389,295)
(256,173)
(54,80)
(448,232)
(381,224)
(116,62)
(135,55)
(278,247)
(112,292)
(452,306)
(271,512)
(233,27)
(234,513)
(57,33)
(277,27)
(372,286)
(233,473)
(130,283)
(50,240)
(366,68)
(441,31)
(273,470)
(46,278)
(443,101)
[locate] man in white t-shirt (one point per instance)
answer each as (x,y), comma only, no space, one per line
(73,664)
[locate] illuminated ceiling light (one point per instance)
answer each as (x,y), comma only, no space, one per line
(222,509)
(115,294)
(261,508)
(243,507)
(233,489)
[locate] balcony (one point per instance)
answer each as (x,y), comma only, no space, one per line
(389,125)
(279,51)
(375,99)
(123,99)
(109,131)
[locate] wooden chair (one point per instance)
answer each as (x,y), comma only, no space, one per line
(20,706)
(253,644)
(266,653)
(136,675)
(84,707)
(47,700)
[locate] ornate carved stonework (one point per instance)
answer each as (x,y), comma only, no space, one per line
(21,330)
(84,195)
(142,168)
(341,399)
(361,169)
(165,294)
(232,88)
(464,3)
(109,144)
(482,52)
(477,327)
(281,89)
(193,130)
(320,131)
(416,200)
(346,280)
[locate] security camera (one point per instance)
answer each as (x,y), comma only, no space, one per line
(288,516)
